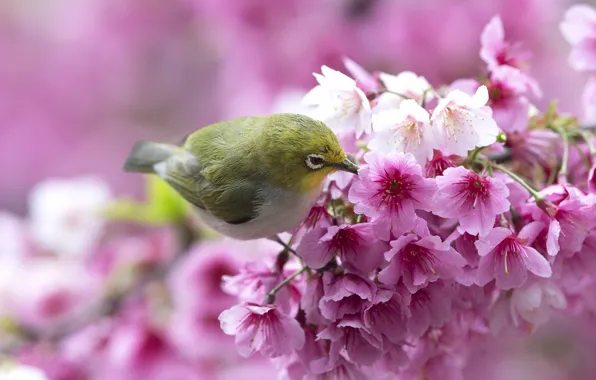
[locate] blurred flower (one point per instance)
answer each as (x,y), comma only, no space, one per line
(496,51)
(578,28)
(66,214)
(21,372)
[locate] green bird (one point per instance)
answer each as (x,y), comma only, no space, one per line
(251,177)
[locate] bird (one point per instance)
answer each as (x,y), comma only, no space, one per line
(250,177)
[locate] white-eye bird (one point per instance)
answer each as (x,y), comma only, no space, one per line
(251,177)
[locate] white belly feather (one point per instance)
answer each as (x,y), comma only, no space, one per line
(283,211)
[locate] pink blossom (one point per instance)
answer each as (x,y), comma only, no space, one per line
(355,245)
(463,123)
(578,28)
(365,80)
(262,328)
(341,370)
(350,334)
(507,90)
(464,244)
(311,298)
(567,217)
(389,190)
(419,260)
(438,164)
(387,315)
(508,258)
(534,147)
(430,306)
(345,294)
(473,199)
(496,51)
(255,280)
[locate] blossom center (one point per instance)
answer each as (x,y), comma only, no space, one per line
(410,133)
(394,188)
(508,251)
(477,188)
(417,257)
(344,240)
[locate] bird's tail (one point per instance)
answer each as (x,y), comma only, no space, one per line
(146,154)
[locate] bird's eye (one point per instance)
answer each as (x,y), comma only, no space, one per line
(314,161)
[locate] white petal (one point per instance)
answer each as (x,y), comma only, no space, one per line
(480,98)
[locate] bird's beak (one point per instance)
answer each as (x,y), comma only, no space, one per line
(349,166)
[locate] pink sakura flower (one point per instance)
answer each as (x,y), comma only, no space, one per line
(463,122)
(579,29)
(311,298)
(507,91)
(495,51)
(473,199)
(464,244)
(355,245)
(507,258)
(341,370)
(438,164)
(364,80)
(262,328)
(389,190)
(568,218)
(255,280)
(345,294)
(387,315)
(534,147)
(406,129)
(351,336)
(419,260)
(430,306)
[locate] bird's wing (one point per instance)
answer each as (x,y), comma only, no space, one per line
(236,202)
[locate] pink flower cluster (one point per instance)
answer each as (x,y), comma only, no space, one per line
(469,219)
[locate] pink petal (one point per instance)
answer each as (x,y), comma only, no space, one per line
(536,263)
(312,250)
(552,240)
(489,242)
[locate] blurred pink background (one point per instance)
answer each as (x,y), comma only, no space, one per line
(81,80)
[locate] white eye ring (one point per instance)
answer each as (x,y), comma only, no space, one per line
(315,161)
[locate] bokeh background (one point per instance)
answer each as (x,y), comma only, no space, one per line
(82,80)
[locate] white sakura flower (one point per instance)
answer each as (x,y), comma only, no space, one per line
(408,84)
(463,122)
(406,129)
(344,107)
(65,214)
